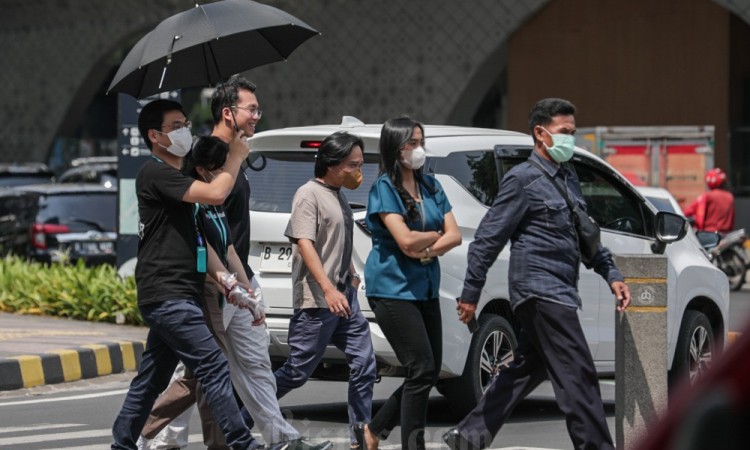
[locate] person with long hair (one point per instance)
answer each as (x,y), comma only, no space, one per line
(324,279)
(412,225)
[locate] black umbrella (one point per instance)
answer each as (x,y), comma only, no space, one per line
(208,44)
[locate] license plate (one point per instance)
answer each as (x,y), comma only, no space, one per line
(93,248)
(276,258)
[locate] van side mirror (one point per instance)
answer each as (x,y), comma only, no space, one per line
(670,228)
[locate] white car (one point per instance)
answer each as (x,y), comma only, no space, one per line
(469,163)
(661,198)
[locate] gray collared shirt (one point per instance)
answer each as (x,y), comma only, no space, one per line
(544,256)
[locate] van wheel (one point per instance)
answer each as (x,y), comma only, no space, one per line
(694,351)
(492,349)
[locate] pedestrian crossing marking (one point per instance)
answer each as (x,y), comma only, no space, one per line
(196,438)
(41,426)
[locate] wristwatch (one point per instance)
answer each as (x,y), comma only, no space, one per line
(356,275)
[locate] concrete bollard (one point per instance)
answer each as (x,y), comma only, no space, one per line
(641,349)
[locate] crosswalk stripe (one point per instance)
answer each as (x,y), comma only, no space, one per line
(37,427)
(64,399)
(54,437)
(192,439)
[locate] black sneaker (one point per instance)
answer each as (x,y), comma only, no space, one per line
(457,442)
(300,444)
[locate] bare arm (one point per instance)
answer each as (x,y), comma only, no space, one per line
(217,191)
(412,243)
(336,301)
(451,237)
(214,266)
(415,243)
(235,265)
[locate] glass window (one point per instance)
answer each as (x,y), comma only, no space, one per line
(274,181)
(611,205)
(80,211)
(662,204)
(476,170)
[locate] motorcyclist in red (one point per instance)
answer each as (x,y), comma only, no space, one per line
(713,210)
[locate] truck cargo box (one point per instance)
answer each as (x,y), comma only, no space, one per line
(672,157)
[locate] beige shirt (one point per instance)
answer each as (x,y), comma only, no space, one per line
(321,214)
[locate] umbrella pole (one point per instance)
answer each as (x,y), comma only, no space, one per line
(223,87)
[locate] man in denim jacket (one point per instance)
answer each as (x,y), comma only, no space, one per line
(544,263)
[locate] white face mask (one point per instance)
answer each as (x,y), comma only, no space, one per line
(181,140)
(415,159)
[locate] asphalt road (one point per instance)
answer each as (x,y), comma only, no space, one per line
(79,415)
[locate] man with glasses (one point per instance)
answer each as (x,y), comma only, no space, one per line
(236,112)
(173,259)
(235,109)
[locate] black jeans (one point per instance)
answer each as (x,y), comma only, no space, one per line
(414,330)
(551,344)
(178,331)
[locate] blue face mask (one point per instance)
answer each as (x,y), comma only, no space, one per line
(562,146)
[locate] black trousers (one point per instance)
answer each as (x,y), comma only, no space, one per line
(414,330)
(551,345)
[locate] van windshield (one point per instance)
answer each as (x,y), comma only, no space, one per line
(273,186)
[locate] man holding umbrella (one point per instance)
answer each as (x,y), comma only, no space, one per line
(173,258)
(198,47)
(235,111)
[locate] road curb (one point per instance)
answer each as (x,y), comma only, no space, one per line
(58,366)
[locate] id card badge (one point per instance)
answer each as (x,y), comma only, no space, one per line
(201,260)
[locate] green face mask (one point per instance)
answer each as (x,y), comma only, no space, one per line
(562,146)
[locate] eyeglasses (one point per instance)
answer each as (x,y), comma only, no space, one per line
(253,111)
(174,126)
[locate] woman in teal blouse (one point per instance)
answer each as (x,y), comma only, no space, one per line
(412,224)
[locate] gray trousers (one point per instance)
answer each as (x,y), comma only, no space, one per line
(250,370)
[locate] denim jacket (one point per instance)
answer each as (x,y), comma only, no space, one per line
(544,256)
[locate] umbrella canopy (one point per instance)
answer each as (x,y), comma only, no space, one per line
(208,44)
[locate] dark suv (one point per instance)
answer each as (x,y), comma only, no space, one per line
(72,222)
(101,170)
(15,218)
(19,174)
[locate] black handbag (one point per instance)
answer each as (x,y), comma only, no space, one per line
(586,227)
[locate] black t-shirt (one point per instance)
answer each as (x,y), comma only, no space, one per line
(237,207)
(166,268)
(214,223)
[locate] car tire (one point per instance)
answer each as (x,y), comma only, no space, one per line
(695,346)
(493,347)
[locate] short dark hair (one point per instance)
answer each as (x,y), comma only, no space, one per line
(226,95)
(544,110)
(208,152)
(334,149)
(152,116)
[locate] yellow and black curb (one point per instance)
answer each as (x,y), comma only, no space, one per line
(57,366)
